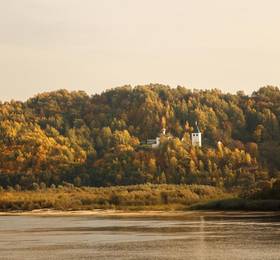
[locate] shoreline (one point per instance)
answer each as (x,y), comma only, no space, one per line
(140,213)
(94,212)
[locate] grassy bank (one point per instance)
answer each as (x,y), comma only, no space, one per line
(138,197)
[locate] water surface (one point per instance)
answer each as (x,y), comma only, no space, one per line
(197,235)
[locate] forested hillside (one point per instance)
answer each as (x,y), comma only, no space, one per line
(70,137)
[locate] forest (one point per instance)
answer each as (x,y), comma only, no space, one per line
(59,138)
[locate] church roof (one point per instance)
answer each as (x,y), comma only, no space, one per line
(197,128)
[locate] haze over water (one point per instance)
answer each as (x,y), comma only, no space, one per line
(191,236)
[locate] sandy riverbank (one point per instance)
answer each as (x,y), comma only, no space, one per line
(96,212)
(143,213)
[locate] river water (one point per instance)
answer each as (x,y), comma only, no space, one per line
(198,235)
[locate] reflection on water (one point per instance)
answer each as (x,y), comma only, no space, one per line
(191,236)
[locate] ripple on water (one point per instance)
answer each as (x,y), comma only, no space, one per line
(190,237)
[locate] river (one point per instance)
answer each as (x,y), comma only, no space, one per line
(197,235)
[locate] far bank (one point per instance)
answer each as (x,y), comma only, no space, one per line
(131,198)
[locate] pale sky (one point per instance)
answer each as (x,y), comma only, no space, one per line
(94,45)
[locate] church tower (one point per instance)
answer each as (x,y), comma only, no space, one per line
(196,137)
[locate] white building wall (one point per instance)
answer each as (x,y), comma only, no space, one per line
(196,139)
(157,143)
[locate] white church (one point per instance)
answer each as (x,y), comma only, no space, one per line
(196,137)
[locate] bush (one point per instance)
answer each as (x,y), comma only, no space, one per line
(65,198)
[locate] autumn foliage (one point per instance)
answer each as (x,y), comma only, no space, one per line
(70,137)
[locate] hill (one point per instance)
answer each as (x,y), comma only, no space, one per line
(70,137)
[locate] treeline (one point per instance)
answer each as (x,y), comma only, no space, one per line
(263,191)
(73,138)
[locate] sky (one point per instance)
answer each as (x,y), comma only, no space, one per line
(93,45)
